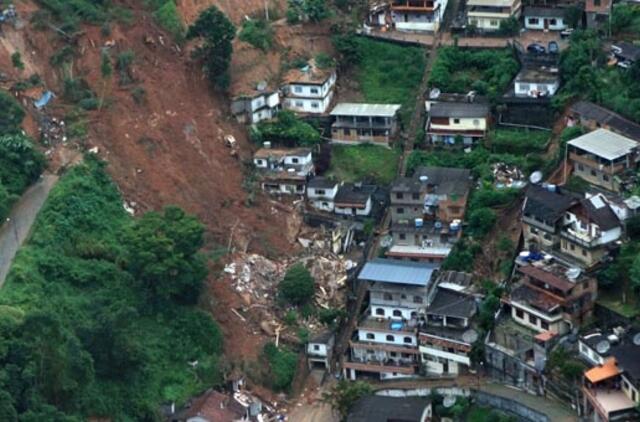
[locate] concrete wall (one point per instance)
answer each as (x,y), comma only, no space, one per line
(381,337)
(539,22)
(595,176)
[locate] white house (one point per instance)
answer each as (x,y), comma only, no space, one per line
(544,18)
(486,15)
(353,200)
(260,105)
(537,82)
(320,349)
(321,193)
(417,15)
(284,171)
(309,89)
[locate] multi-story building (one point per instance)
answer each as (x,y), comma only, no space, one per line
(284,171)
(590,230)
(386,339)
(593,116)
(254,105)
(597,13)
(417,15)
(549,297)
(320,350)
(610,391)
(364,123)
(309,90)
(449,121)
(603,158)
(427,211)
(544,18)
(486,15)
(543,216)
(321,193)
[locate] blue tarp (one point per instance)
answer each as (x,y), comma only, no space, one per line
(44,100)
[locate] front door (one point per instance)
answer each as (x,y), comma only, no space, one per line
(546,24)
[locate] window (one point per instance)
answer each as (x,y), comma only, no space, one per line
(387,296)
(544,325)
(533,21)
(533,320)
(596,3)
(403,296)
(370,336)
(572,247)
(456,121)
(294,160)
(402,236)
(519,313)
(473,22)
(415,196)
(593,172)
(393,354)
(417,299)
(493,23)
(297,89)
(397,313)
(320,192)
(584,252)
(400,210)
(391,338)
(315,104)
(580,167)
(407,340)
(314,90)
(299,104)
(259,162)
(524,87)
(605,177)
(316,347)
(399,195)
(553,22)
(380,311)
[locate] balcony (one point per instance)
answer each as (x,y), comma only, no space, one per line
(381,367)
(583,240)
(610,404)
(596,163)
(412,5)
(412,350)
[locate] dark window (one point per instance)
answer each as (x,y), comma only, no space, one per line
(519,313)
(407,340)
(316,347)
(399,195)
(584,252)
(294,160)
(605,177)
(415,196)
(417,299)
(596,3)
(552,22)
(456,121)
(533,319)
(402,236)
(387,296)
(397,313)
(400,210)
(593,172)
(370,336)
(391,338)
(393,354)
(580,167)
(380,311)
(544,325)
(320,191)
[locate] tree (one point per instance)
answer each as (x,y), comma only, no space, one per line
(345,394)
(481,221)
(509,26)
(215,32)
(11,114)
(297,287)
(634,273)
(106,70)
(282,366)
(316,10)
(288,130)
(573,16)
(163,255)
(16,60)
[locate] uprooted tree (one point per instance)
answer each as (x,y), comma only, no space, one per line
(216,33)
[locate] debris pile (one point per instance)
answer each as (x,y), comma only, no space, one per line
(52,131)
(507,176)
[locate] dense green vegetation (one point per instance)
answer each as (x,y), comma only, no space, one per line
(286,130)
(281,366)
(216,34)
(166,14)
(97,317)
(11,114)
(387,73)
(257,32)
(518,141)
(344,394)
(488,72)
(625,20)
(312,10)
(70,14)
(297,287)
(364,162)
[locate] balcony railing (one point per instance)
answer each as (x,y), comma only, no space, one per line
(586,242)
(415,5)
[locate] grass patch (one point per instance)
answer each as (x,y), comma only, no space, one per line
(69,14)
(166,14)
(488,72)
(518,141)
(612,299)
(363,162)
(258,33)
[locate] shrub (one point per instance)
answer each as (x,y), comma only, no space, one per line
(168,17)
(257,32)
(11,114)
(124,61)
(481,221)
(297,287)
(16,60)
(323,61)
(138,94)
(345,394)
(288,130)
(282,366)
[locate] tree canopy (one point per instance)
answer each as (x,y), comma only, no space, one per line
(11,114)
(215,33)
(297,287)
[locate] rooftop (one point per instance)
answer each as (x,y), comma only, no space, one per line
(443,180)
(450,109)
(353,195)
(626,355)
(366,110)
(455,280)
(453,304)
(603,116)
(437,251)
(281,153)
(537,75)
(547,277)
(386,409)
(597,210)
(627,50)
(549,206)
(603,372)
(491,3)
(310,74)
(539,300)
(613,400)
(544,12)
(320,182)
(400,272)
(605,144)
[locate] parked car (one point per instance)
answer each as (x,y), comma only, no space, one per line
(566,33)
(536,49)
(553,48)
(625,64)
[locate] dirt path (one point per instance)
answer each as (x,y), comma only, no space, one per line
(16,229)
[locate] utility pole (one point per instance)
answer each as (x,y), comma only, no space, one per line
(266,10)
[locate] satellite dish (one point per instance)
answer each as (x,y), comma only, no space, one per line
(573,273)
(449,401)
(435,93)
(636,339)
(603,347)
(262,85)
(470,336)
(536,177)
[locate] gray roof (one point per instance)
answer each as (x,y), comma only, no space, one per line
(361,109)
(459,110)
(320,182)
(600,213)
(549,206)
(628,51)
(543,12)
(445,180)
(350,193)
(605,144)
(399,272)
(452,304)
(590,111)
(386,409)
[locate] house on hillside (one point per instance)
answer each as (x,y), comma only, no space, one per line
(320,350)
(625,53)
(597,13)
(603,158)
(354,200)
(544,18)
(309,90)
(356,123)
(536,81)
(321,193)
(377,408)
(427,212)
(417,15)
(385,343)
(449,121)
(284,171)
(486,15)
(593,116)
(256,104)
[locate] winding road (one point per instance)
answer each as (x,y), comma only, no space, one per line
(16,229)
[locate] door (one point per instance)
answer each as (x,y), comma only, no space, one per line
(546,23)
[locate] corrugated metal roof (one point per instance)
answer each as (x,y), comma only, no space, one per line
(399,272)
(605,144)
(362,109)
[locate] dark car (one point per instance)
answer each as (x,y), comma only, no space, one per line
(536,49)
(553,47)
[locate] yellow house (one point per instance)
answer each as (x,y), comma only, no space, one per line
(486,15)
(449,121)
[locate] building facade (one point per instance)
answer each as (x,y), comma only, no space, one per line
(544,18)
(417,15)
(486,15)
(356,123)
(450,122)
(284,171)
(309,90)
(251,109)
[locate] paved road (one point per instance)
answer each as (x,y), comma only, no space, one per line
(14,231)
